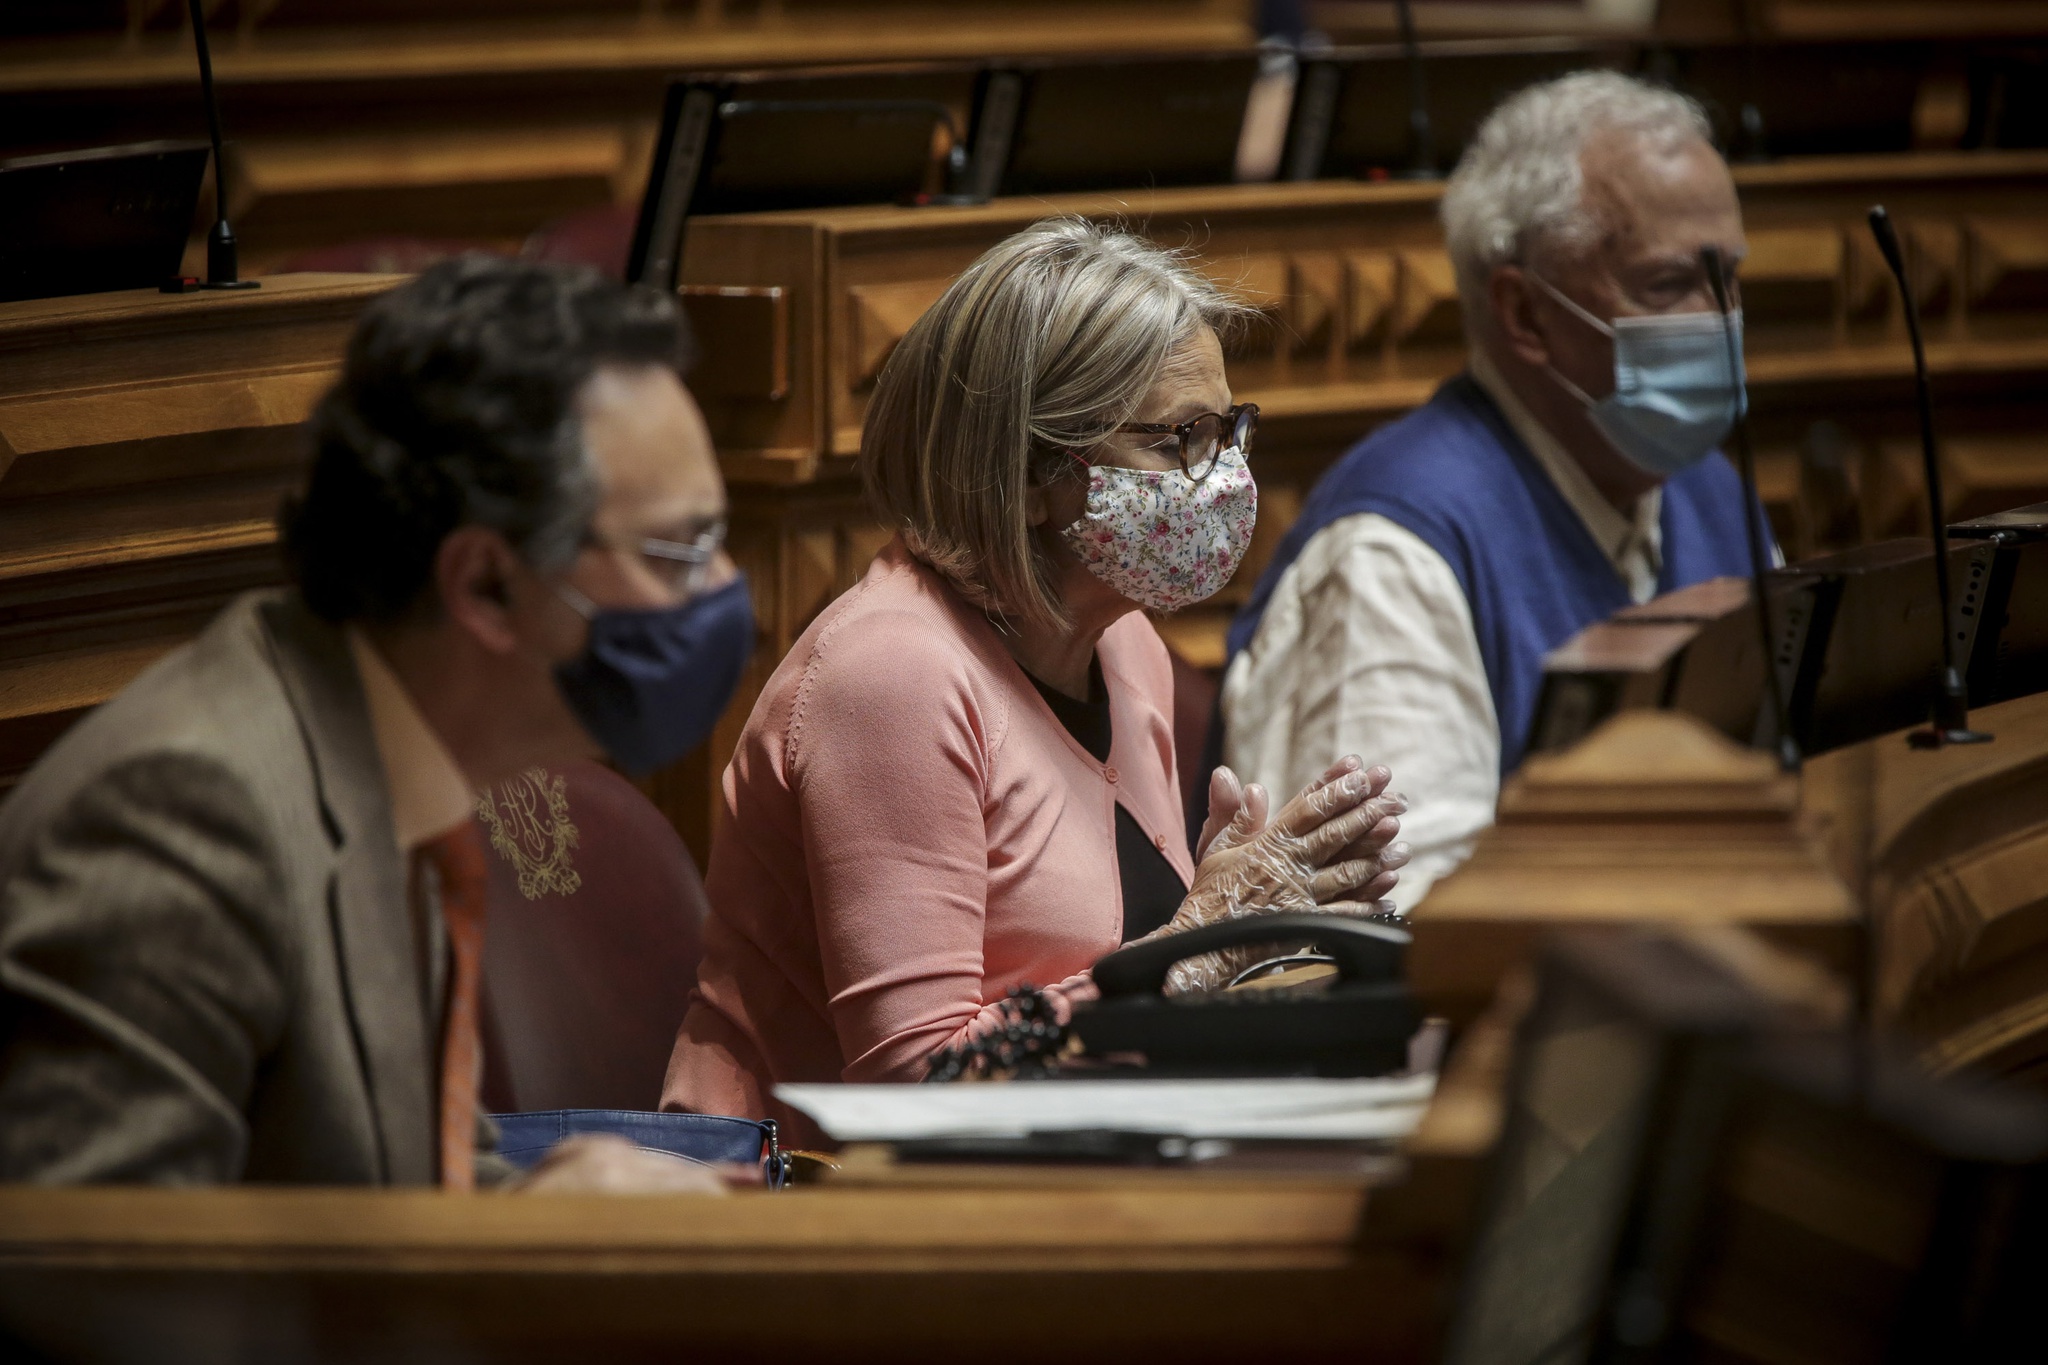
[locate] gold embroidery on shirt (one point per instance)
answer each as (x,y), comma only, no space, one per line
(528,818)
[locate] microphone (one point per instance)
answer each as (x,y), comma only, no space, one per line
(1421,137)
(221,269)
(1752,522)
(1951,709)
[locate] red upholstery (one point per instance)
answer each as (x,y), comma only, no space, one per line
(601,236)
(379,255)
(589,964)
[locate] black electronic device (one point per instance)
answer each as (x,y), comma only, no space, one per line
(1359,1026)
(1783,741)
(1355,108)
(2010,655)
(748,142)
(1950,713)
(2008,85)
(222,270)
(1792,98)
(1122,123)
(104,218)
(1873,650)
(1695,649)
(1852,644)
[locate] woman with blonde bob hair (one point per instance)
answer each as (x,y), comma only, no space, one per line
(961,779)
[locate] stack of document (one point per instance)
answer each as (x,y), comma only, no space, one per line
(1304,1108)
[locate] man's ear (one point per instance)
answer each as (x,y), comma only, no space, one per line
(1513,298)
(474,571)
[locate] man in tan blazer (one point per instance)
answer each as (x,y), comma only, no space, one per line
(225,952)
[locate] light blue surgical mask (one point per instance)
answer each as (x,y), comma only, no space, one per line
(1674,396)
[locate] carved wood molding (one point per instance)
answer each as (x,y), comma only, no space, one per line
(1652,818)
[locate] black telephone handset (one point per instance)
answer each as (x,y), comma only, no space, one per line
(1363,950)
(1360,1026)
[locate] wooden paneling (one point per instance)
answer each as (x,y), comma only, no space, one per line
(1089,1268)
(480,123)
(1949,848)
(1933,862)
(145,441)
(147,42)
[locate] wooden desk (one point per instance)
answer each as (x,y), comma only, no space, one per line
(145,440)
(1652,818)
(1950,848)
(1168,1269)
(1944,853)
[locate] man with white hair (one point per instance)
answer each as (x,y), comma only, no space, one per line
(1570,471)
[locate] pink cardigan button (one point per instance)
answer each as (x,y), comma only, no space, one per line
(1109,773)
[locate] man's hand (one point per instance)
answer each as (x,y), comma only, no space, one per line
(599,1163)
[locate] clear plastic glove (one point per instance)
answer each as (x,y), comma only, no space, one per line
(1331,850)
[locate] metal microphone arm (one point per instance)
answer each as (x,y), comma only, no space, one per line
(222,271)
(1745,455)
(1421,135)
(1951,711)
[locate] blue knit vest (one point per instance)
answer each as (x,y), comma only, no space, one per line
(1454,473)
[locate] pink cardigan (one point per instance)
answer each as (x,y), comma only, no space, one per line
(909,831)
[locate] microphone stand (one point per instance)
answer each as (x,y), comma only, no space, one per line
(1750,116)
(1789,757)
(1861,1045)
(1950,722)
(1421,136)
(222,271)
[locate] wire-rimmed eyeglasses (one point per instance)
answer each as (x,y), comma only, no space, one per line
(681,566)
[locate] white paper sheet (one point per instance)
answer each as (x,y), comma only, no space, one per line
(1308,1108)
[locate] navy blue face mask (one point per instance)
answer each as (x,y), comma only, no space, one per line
(650,685)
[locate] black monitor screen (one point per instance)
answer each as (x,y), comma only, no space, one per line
(794,140)
(1814,99)
(1128,124)
(1367,98)
(91,221)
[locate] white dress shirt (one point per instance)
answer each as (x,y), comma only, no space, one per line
(1367,646)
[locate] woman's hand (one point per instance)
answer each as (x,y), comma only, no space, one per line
(1331,850)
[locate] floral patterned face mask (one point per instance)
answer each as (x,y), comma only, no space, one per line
(1160,538)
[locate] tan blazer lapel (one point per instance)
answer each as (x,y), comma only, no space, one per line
(367,898)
